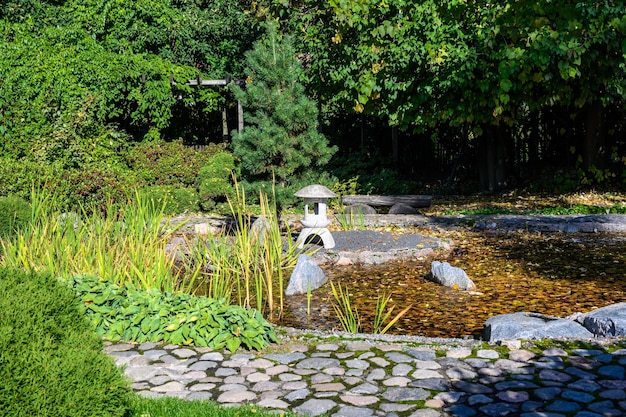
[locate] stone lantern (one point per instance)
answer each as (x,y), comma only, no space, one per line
(315,221)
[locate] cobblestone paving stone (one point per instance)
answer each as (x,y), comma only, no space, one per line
(360,378)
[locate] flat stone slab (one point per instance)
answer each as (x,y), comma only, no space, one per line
(374,247)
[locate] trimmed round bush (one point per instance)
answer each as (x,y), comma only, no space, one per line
(51,361)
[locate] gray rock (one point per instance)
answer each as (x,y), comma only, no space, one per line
(315,407)
(351,411)
(396,394)
(606,321)
(285,358)
(445,274)
(317,363)
(359,209)
(306,276)
(532,326)
(401,208)
(461,410)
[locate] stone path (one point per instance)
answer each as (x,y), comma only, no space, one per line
(370,378)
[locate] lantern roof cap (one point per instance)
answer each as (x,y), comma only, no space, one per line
(315,191)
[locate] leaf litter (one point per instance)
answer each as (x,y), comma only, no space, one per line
(556,274)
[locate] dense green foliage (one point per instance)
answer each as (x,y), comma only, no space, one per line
(472,87)
(84,79)
(461,61)
(14,214)
(130,314)
(51,361)
(168,163)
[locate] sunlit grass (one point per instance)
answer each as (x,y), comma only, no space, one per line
(175,407)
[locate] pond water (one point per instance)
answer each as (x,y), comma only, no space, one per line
(555,274)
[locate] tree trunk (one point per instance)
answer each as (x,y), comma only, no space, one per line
(492,158)
(593,152)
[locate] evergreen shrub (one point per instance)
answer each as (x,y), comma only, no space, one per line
(51,360)
(14,214)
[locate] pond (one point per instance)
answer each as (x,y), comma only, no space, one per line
(556,274)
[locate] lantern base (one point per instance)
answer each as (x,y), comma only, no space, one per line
(323,234)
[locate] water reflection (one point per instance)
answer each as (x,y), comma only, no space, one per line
(554,274)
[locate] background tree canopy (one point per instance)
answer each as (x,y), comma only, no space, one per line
(457,92)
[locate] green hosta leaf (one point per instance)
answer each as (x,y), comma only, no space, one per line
(154,325)
(200,341)
(233,343)
(251,334)
(172,327)
(212,335)
(146,325)
(177,337)
(257,343)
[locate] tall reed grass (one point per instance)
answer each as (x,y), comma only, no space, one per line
(125,243)
(248,265)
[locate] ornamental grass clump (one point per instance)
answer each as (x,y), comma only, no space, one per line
(248,265)
(124,243)
(51,360)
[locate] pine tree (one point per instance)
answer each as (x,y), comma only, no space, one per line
(281,135)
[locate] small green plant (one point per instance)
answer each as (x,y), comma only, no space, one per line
(308,301)
(382,314)
(347,314)
(350,220)
(51,361)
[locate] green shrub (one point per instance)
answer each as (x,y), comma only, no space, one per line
(126,313)
(95,186)
(172,199)
(14,214)
(17,176)
(168,163)
(215,180)
(51,361)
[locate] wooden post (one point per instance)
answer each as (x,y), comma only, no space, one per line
(225,135)
(239,117)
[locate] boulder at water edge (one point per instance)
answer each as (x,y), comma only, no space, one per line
(450,276)
(606,321)
(532,326)
(306,276)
